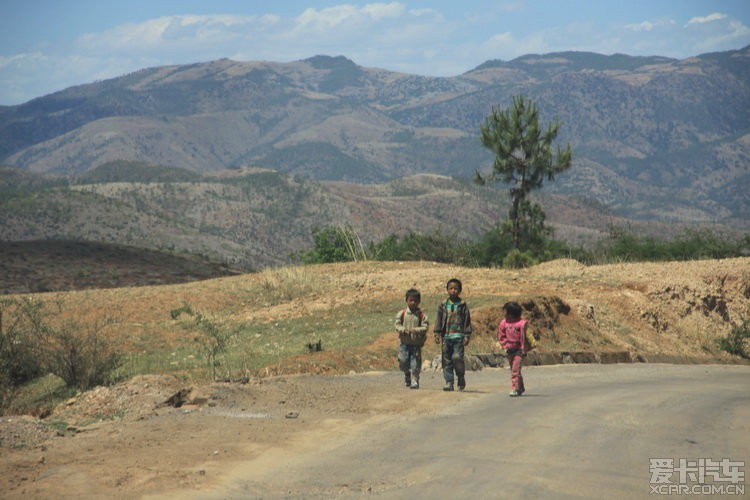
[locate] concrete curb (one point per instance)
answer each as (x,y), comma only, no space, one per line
(610,357)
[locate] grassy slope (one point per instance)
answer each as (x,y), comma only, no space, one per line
(269,318)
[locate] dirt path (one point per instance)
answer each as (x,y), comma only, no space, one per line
(580,430)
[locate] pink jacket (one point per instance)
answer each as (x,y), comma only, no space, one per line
(511,334)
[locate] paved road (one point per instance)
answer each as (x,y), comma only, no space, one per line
(581,431)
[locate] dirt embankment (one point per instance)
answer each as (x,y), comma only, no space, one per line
(672,312)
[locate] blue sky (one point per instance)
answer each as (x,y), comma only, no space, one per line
(48,45)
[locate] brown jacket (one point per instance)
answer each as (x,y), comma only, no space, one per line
(411,327)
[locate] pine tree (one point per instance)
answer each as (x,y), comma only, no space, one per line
(523,159)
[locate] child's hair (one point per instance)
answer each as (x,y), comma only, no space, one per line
(456,281)
(513,309)
(413,292)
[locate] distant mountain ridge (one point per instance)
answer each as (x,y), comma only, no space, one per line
(653,138)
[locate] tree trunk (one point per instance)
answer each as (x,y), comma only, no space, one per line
(516,219)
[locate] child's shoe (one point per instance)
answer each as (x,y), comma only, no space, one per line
(514,394)
(448,386)
(461,384)
(407,380)
(414,384)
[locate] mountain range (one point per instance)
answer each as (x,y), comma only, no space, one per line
(654,139)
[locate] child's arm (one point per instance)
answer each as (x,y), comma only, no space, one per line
(399,323)
(528,338)
(501,336)
(467,327)
(467,322)
(424,325)
(439,325)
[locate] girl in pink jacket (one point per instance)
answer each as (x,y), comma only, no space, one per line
(513,337)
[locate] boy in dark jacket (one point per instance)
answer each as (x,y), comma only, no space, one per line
(453,330)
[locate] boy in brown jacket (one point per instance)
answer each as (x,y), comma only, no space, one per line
(412,325)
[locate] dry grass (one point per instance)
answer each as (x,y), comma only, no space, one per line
(287,283)
(270,317)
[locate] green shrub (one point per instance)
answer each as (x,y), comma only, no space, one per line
(212,339)
(623,246)
(19,358)
(495,247)
(516,259)
(438,247)
(737,342)
(34,341)
(80,354)
(492,247)
(335,244)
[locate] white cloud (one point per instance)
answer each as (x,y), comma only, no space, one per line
(426,13)
(707,19)
(400,35)
(19,60)
(507,46)
(379,11)
(359,23)
(348,16)
(174,31)
(715,32)
(500,43)
(378,34)
(326,19)
(646,26)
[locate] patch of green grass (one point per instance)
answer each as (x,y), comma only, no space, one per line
(260,344)
(622,330)
(183,359)
(252,346)
(58,425)
(38,397)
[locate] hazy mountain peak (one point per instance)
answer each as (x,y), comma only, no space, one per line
(331,62)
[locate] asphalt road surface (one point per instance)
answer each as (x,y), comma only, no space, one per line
(580,431)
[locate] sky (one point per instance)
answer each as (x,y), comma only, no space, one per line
(49,45)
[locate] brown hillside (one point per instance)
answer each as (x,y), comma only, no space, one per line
(647,310)
(54,265)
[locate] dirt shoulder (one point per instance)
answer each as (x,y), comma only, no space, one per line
(204,445)
(150,445)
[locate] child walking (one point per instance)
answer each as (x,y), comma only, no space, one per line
(411,325)
(513,335)
(453,330)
